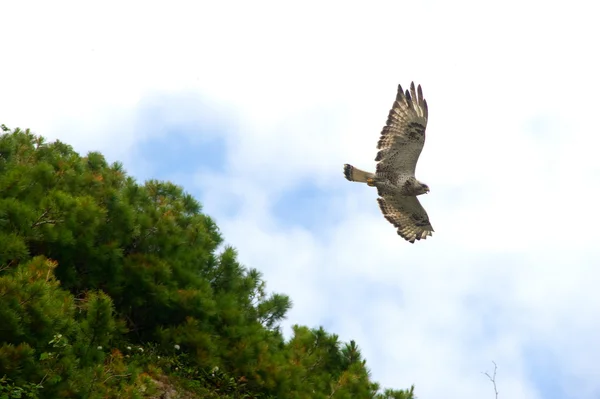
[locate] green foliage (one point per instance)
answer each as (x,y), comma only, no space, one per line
(8,390)
(109,288)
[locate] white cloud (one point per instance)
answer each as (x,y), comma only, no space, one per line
(510,157)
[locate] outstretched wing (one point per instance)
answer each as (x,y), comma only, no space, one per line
(403,137)
(407,215)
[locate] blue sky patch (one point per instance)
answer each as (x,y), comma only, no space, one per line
(176,153)
(308,206)
(544,370)
(183,133)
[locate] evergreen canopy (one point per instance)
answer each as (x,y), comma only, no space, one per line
(109,288)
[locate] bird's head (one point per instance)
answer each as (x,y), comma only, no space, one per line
(424,188)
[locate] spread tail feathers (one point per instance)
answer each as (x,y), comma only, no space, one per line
(355,174)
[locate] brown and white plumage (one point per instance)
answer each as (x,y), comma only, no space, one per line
(400,145)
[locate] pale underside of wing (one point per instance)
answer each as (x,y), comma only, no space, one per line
(407,215)
(403,137)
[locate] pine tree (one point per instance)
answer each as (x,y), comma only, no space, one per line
(93,263)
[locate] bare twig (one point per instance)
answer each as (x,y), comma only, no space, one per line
(493,378)
(43,220)
(117,376)
(42,216)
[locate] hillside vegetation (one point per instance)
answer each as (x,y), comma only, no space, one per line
(114,289)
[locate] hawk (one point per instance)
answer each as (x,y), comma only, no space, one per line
(400,145)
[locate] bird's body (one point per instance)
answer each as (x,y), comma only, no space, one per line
(400,146)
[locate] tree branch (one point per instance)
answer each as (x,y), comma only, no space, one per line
(40,220)
(493,378)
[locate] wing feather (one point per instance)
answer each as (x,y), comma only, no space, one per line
(407,215)
(403,137)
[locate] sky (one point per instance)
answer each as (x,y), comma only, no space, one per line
(254,107)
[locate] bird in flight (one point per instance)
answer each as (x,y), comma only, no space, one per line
(400,144)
